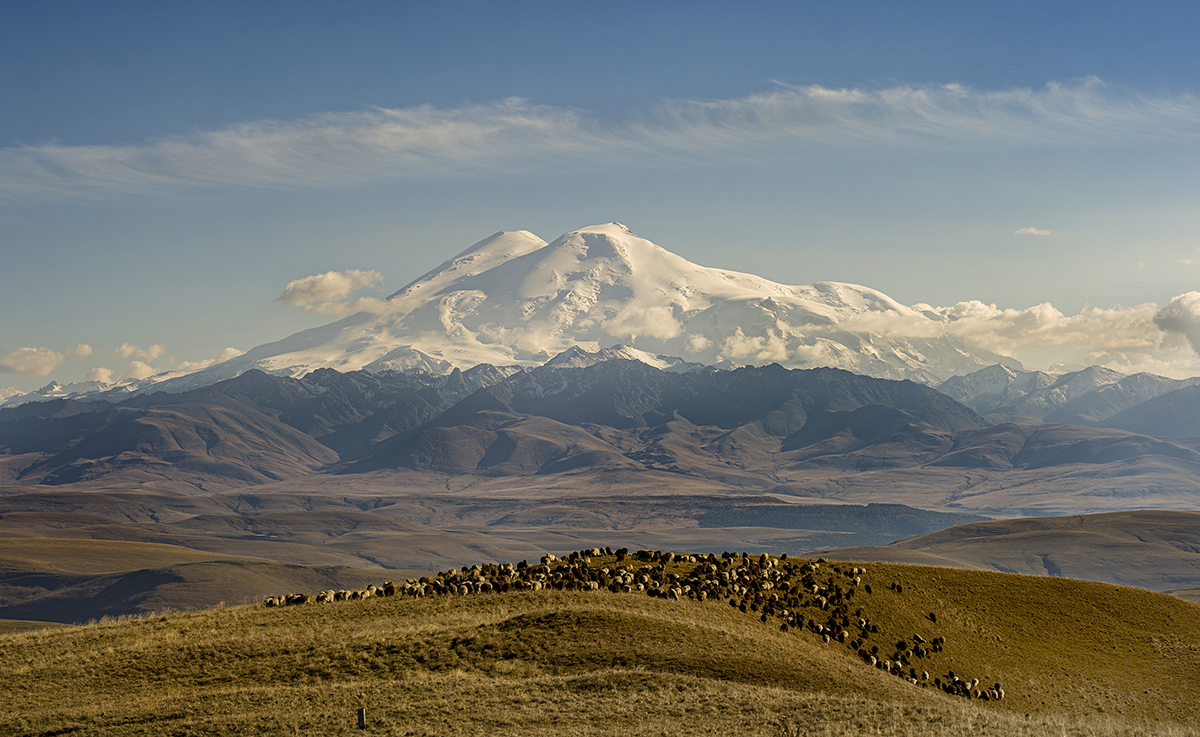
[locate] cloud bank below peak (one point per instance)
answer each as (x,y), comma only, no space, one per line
(346,148)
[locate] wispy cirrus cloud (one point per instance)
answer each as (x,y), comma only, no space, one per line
(1033,231)
(345,148)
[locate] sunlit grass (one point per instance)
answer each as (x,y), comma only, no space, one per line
(1077,658)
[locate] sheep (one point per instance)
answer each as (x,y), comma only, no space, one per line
(776,590)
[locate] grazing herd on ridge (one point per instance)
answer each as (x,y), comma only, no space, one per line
(816,596)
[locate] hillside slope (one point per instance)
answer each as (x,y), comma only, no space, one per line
(75,581)
(1157,550)
(1173,415)
(1075,658)
(216,443)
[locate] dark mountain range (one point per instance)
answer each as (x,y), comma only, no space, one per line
(625,414)
(188,440)
(820,432)
(347,412)
(614,414)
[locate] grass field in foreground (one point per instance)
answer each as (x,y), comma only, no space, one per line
(14,626)
(1076,658)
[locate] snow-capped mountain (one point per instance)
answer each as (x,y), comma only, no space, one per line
(513,299)
(1085,397)
(55,390)
(576,357)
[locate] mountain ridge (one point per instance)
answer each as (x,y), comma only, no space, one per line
(1090,396)
(812,434)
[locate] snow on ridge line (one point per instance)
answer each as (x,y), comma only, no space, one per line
(572,358)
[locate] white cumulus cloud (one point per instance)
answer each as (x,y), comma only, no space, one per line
(31,361)
(326,293)
(100,374)
(651,322)
(138,370)
(152,353)
(1128,339)
(1033,231)
(767,348)
(1182,316)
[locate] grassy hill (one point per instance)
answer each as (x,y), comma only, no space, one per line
(74,581)
(1075,658)
(1158,550)
(12,626)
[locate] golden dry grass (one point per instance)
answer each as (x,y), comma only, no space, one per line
(14,626)
(1078,658)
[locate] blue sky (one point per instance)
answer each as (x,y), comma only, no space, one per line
(167,168)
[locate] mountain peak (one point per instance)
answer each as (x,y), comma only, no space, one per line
(576,357)
(612,228)
(514,300)
(486,254)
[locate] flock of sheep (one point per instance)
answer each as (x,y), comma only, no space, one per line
(800,595)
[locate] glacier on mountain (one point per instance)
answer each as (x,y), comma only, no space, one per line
(513,299)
